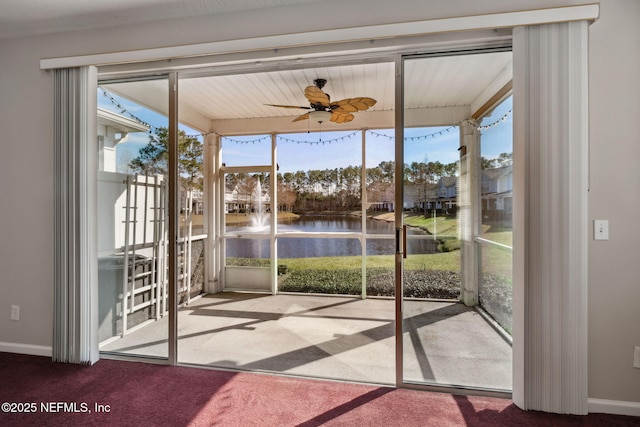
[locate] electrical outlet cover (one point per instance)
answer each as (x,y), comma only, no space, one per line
(15,312)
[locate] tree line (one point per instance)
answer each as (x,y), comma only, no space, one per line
(311,190)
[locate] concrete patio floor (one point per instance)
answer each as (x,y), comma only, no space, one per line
(344,338)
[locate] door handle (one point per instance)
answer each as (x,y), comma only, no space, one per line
(401,235)
(404,241)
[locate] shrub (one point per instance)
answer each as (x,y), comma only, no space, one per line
(449,244)
(380,282)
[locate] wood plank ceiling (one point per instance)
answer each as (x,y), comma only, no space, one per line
(235,103)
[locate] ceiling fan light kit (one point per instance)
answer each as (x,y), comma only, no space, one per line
(320,116)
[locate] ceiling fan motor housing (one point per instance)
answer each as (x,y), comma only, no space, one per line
(320,107)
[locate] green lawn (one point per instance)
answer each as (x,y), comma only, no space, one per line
(441,226)
(448,261)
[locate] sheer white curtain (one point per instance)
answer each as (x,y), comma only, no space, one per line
(75,283)
(550,222)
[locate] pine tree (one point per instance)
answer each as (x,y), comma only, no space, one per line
(153,158)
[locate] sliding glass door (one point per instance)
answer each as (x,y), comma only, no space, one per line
(133,219)
(445,336)
(230,208)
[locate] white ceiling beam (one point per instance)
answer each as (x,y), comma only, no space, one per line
(423,117)
(191,117)
(489,92)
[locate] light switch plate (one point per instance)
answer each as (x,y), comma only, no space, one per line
(600,229)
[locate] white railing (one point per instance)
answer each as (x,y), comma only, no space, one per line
(145,251)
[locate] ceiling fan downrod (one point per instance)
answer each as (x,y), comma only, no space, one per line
(319,83)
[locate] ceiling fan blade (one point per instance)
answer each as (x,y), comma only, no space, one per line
(305,116)
(353,104)
(288,106)
(341,117)
(316,96)
(363,103)
(344,108)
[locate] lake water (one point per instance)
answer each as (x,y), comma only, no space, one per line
(306,247)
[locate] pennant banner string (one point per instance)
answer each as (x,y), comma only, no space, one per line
(448,129)
(122,109)
(380,135)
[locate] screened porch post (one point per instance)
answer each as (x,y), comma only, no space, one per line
(469,210)
(273,195)
(211,207)
(221,209)
(363,213)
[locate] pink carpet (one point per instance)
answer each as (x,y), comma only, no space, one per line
(140,394)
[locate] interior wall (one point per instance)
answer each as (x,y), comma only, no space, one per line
(614,267)
(26,159)
(26,217)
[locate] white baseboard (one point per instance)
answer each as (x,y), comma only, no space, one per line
(618,407)
(34,350)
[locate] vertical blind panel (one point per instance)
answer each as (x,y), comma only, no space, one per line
(551,82)
(74,340)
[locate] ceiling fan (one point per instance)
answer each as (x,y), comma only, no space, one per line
(323,109)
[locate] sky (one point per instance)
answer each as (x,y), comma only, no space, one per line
(327,150)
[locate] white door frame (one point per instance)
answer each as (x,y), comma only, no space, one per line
(369,40)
